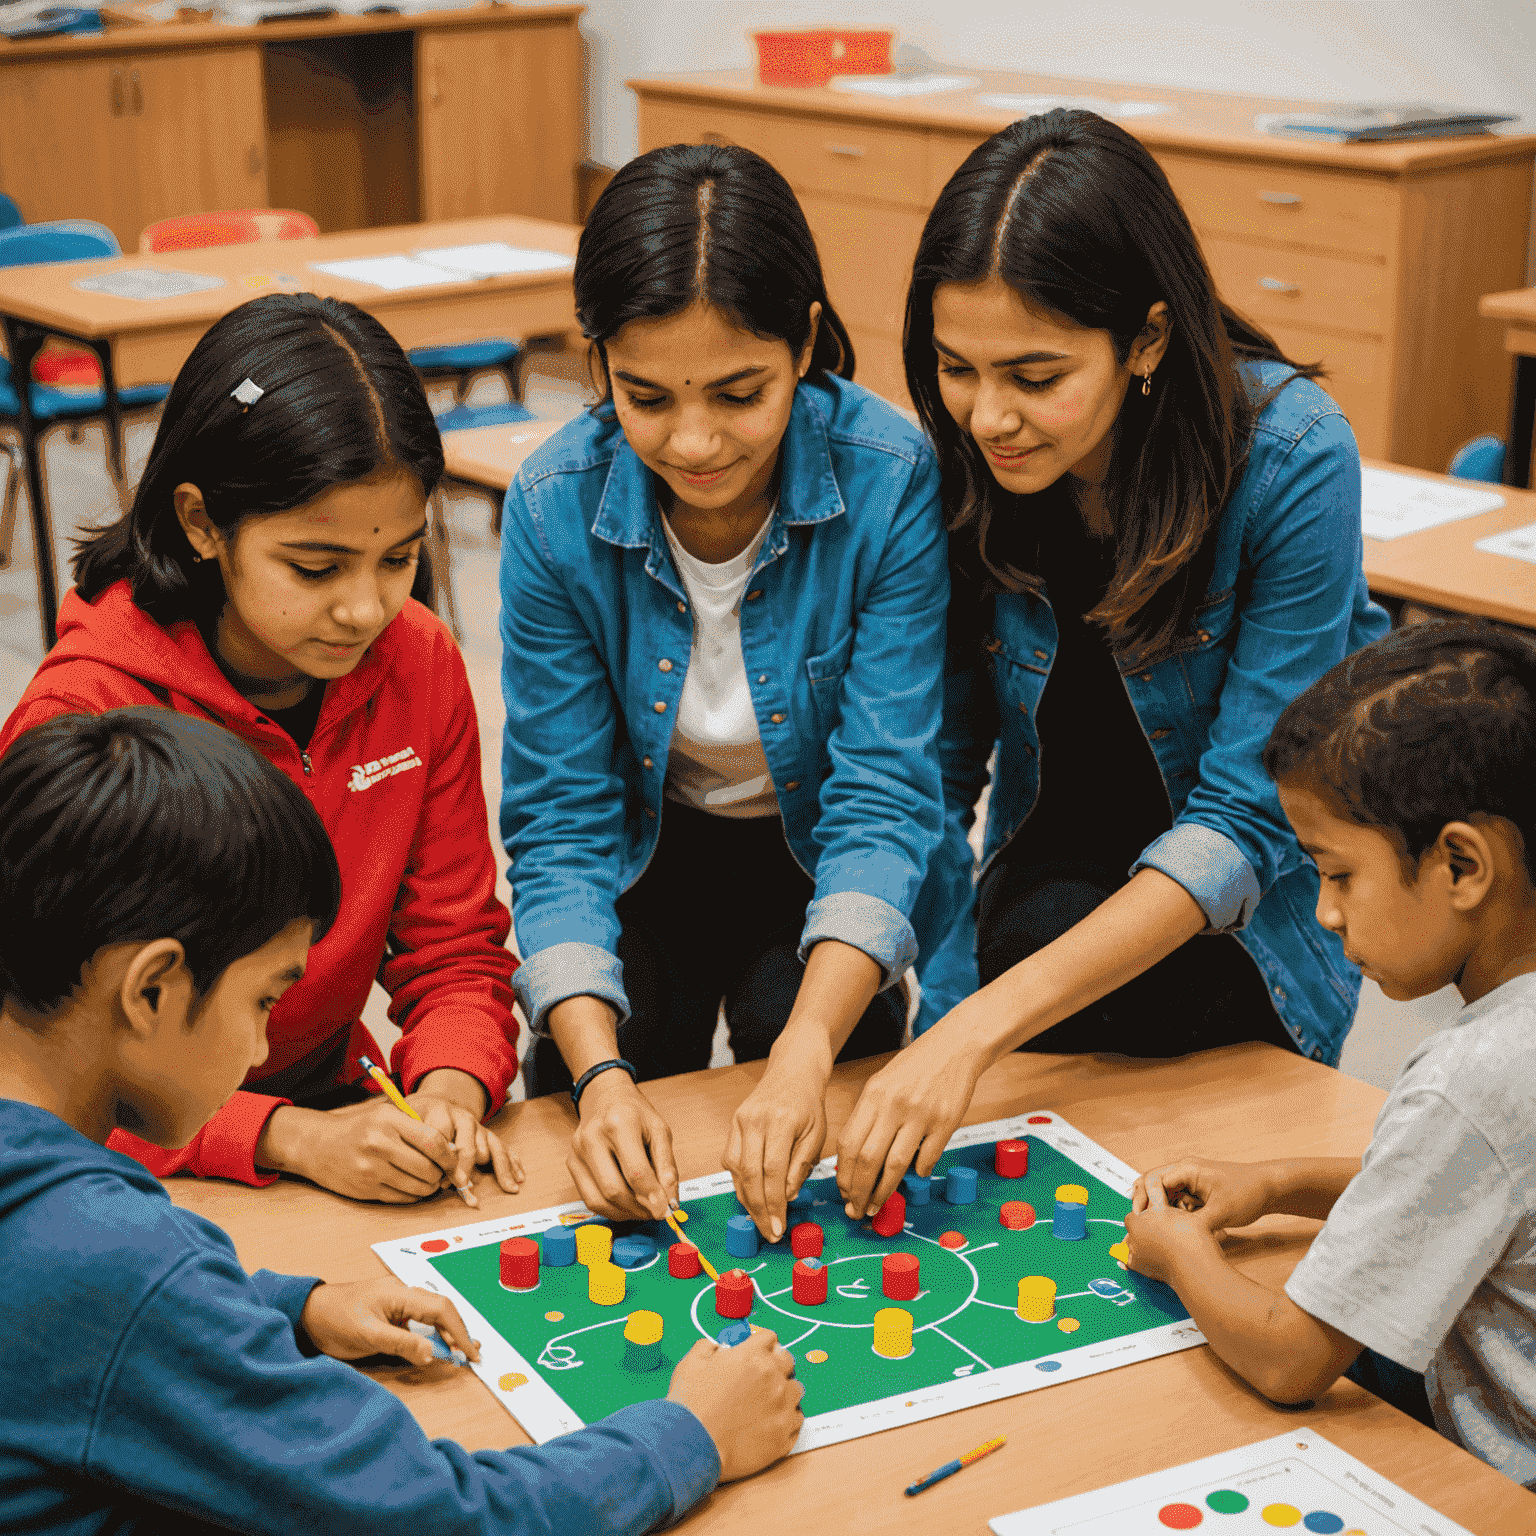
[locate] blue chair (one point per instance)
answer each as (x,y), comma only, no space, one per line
(1481,459)
(31,409)
(10,214)
(462,417)
(459,364)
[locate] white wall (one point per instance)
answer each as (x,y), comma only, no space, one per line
(1474,52)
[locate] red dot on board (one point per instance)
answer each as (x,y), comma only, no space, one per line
(435,1245)
(1038,1120)
(952,1240)
(1179,1517)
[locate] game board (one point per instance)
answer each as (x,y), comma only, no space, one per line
(556,1359)
(1296,1481)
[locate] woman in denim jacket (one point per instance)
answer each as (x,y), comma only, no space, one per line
(723,613)
(1156,543)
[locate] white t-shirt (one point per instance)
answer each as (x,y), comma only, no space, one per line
(1429,1256)
(716,763)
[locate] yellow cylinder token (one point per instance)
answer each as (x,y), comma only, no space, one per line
(594,1244)
(1068,1324)
(1073,1194)
(643,1328)
(893,1333)
(1037,1299)
(605,1283)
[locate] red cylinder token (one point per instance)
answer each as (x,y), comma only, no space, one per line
(733,1293)
(1011,1159)
(809,1282)
(520,1263)
(891,1218)
(1017,1215)
(683,1261)
(898,1276)
(952,1240)
(805,1240)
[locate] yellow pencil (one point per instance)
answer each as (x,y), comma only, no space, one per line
(393,1094)
(709,1269)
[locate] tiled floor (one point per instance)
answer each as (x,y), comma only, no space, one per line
(81,495)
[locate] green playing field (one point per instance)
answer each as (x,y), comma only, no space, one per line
(964,1318)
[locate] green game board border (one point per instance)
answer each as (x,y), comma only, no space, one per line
(543,1413)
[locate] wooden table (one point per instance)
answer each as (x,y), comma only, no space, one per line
(143,342)
(490,456)
(1244,1102)
(1443,567)
(1518,312)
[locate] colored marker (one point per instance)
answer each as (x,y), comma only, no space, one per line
(463,1191)
(441,1348)
(709,1269)
(951,1467)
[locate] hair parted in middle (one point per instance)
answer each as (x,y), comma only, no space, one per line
(1077,218)
(706,224)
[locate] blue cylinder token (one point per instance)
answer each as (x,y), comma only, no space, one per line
(916,1189)
(960,1188)
(631,1251)
(734,1333)
(741,1237)
(1071,1223)
(558,1247)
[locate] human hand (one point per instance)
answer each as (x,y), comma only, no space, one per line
(1225,1194)
(621,1154)
(908,1109)
(745,1396)
(776,1136)
(1160,1237)
(370,1317)
(452,1103)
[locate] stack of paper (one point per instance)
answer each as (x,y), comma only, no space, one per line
(445,264)
(1372,124)
(903,85)
(1393,504)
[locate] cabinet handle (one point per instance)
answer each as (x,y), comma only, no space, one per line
(437,85)
(117,93)
(1284,199)
(850,151)
(138,94)
(1279,285)
(253,158)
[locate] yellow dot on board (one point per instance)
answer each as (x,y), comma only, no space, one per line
(511,1380)
(554,1317)
(1073,1194)
(816,1356)
(1068,1324)
(1280,1514)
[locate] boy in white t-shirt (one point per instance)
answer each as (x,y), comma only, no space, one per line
(1409,774)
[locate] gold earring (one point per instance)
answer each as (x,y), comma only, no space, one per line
(197,559)
(1146,382)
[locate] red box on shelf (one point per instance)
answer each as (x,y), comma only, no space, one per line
(862,53)
(812,56)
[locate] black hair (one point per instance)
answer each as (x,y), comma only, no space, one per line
(1431,724)
(340,403)
(706,224)
(142,824)
(1077,218)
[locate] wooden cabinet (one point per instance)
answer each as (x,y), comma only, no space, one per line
(1367,258)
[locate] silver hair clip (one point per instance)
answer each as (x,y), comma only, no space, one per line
(247,393)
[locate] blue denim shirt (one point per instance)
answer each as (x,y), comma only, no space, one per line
(1287,599)
(842,632)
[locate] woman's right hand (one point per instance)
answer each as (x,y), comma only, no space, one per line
(745,1396)
(621,1154)
(1226,1195)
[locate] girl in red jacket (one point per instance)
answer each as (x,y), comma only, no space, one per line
(264,578)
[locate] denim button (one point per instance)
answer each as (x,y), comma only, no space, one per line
(754,594)
(762,677)
(682,607)
(793,784)
(664,664)
(645,762)
(777,719)
(660,706)
(1043,655)
(1160,732)
(994,646)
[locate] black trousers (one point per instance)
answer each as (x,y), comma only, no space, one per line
(716,917)
(1206,993)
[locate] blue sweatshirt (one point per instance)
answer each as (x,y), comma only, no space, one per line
(143,1367)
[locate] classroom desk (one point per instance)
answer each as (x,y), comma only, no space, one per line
(1443,567)
(490,456)
(1518,311)
(144,342)
(1244,1102)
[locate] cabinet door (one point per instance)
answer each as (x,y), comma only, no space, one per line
(196,133)
(500,120)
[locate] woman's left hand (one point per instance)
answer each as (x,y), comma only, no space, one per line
(908,1109)
(452,1102)
(776,1137)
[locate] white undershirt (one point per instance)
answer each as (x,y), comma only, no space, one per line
(716,763)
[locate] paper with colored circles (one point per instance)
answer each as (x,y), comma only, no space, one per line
(1297,1482)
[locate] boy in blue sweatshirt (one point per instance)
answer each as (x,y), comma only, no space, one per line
(160,885)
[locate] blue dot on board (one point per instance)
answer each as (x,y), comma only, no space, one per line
(741,1237)
(558,1247)
(1324,1522)
(632,1251)
(734,1333)
(1047,1365)
(1105,1287)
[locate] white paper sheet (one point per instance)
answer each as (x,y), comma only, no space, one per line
(1029,106)
(1516,543)
(494,258)
(903,85)
(148,283)
(1393,504)
(392,272)
(1297,1480)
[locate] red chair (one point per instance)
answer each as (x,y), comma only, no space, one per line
(231,226)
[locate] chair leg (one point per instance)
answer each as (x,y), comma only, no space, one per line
(13,475)
(441,556)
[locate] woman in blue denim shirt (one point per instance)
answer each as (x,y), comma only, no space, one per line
(723,613)
(1157,545)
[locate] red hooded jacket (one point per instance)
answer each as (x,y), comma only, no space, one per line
(393,768)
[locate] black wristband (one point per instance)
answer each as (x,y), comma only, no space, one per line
(579,1087)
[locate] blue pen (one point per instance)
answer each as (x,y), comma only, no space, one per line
(951,1467)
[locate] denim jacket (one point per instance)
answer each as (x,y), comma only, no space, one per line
(842,632)
(1287,599)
